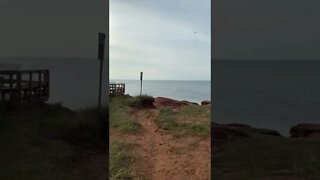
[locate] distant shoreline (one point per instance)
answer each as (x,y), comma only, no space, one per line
(173,98)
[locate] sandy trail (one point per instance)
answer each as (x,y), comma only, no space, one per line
(162,156)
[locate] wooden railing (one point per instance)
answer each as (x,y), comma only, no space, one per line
(117,89)
(24,86)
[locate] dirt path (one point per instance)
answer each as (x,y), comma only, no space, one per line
(162,156)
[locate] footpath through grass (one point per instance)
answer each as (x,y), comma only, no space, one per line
(267,158)
(52,142)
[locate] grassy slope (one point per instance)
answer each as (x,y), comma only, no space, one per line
(270,157)
(191,119)
(52,143)
(120,119)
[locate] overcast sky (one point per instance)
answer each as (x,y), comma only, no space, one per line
(167,39)
(51,28)
(266,29)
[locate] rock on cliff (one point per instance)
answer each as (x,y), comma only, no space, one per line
(166,102)
(206,102)
(305,130)
(226,131)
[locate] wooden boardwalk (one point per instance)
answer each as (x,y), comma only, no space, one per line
(24,86)
(117,89)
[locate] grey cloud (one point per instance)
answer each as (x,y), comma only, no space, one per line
(251,29)
(162,41)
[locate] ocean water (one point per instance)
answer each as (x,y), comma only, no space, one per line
(266,94)
(195,91)
(74,82)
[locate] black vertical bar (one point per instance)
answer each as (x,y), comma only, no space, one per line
(141,74)
(30,86)
(39,85)
(106,119)
(11,86)
(100,81)
(48,83)
(19,86)
(1,82)
(101,43)
(2,101)
(2,90)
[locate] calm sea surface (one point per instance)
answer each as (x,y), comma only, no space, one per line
(266,94)
(73,81)
(195,91)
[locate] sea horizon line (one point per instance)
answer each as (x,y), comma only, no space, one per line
(154,80)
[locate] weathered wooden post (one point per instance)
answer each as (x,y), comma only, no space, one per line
(102,37)
(141,74)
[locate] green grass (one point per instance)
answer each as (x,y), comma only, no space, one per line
(191,119)
(121,160)
(120,118)
(52,142)
(195,110)
(268,157)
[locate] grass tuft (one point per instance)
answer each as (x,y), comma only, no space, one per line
(141,101)
(121,160)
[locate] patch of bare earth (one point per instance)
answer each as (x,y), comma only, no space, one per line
(163,156)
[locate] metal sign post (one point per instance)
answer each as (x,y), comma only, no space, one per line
(141,74)
(102,38)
